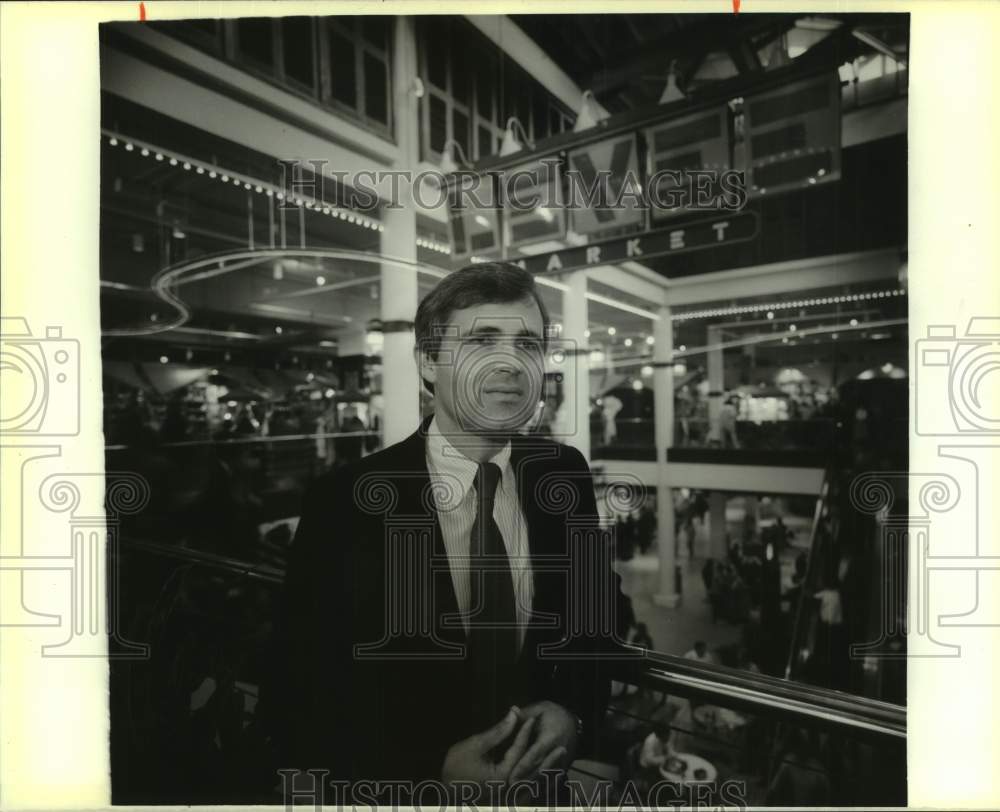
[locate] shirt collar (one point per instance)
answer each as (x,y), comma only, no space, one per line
(446,460)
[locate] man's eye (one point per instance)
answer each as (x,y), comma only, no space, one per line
(530,344)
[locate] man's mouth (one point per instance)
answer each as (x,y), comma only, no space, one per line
(506,390)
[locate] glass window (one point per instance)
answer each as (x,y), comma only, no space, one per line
(555,121)
(460,129)
(485,142)
(437,53)
(486,88)
(461,72)
(511,88)
(376,89)
(254,35)
(376,29)
(297,45)
(343,75)
(523,105)
(540,113)
(439,123)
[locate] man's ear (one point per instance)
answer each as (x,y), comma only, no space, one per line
(426,366)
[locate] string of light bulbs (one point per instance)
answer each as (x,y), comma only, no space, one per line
(230,177)
(771,306)
(434,245)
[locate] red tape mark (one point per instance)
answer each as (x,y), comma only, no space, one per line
(736,6)
(142,11)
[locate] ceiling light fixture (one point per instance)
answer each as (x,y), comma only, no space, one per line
(510,143)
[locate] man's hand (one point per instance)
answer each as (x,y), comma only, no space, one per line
(555,742)
(471,760)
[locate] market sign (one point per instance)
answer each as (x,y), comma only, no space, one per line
(715,232)
(696,142)
(475,222)
(793,136)
(533,203)
(603,189)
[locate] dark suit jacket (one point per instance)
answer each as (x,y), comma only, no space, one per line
(391,711)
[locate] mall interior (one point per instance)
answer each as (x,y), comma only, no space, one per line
(726,389)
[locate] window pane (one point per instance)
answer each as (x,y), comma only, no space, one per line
(439,123)
(297,42)
(437,53)
(254,37)
(376,28)
(460,130)
(523,104)
(376,104)
(343,82)
(461,73)
(555,121)
(541,114)
(485,142)
(486,88)
(510,90)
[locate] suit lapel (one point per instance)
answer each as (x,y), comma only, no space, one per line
(531,462)
(415,500)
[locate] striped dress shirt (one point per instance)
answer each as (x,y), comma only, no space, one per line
(455,499)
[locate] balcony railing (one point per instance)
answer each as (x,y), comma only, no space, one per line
(635,438)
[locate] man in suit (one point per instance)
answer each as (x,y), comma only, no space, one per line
(450,602)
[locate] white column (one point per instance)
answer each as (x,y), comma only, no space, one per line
(716,382)
(400,380)
(663,400)
(573,418)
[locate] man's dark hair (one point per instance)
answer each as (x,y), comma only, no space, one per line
(482,283)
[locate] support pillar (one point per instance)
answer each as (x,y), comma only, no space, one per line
(716,384)
(400,379)
(572,422)
(663,404)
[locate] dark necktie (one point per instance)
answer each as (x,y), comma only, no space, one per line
(492,585)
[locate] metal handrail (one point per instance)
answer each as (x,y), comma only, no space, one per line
(741,690)
(256,438)
(807,579)
(757,693)
(261,572)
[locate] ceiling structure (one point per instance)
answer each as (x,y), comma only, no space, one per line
(156,212)
(625,59)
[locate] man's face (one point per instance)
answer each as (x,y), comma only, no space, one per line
(488,373)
